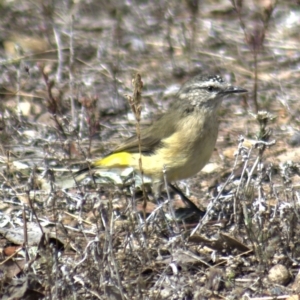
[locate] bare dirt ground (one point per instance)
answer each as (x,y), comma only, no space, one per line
(65,70)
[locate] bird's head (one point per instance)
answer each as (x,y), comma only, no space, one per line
(207,91)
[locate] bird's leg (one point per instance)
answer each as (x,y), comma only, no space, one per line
(191,207)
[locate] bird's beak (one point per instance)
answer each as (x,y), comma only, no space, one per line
(234,90)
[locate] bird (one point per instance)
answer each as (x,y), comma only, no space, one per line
(180,142)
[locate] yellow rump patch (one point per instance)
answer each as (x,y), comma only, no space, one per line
(115,160)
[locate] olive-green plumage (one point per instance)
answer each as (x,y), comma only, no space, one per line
(180,141)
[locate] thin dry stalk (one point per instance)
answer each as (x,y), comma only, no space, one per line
(255,38)
(136,107)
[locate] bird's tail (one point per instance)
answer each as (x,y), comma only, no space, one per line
(116,168)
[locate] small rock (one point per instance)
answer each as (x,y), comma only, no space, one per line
(279,274)
(295,139)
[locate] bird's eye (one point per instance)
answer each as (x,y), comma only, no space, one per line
(210,88)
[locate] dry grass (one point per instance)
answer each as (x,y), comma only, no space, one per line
(65,70)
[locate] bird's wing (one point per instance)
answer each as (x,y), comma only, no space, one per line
(151,137)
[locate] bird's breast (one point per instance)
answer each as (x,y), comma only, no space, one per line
(187,150)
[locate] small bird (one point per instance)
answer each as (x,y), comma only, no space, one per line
(181,141)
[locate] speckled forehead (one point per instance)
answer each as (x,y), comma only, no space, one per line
(216,78)
(209,81)
(202,83)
